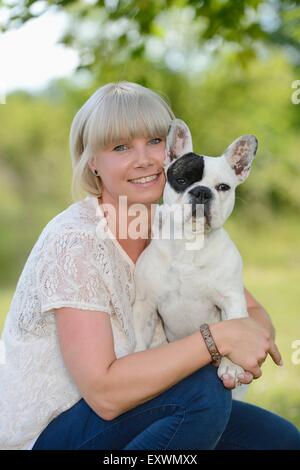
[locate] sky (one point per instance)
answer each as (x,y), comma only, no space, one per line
(30,56)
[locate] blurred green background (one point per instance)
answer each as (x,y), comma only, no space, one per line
(227,68)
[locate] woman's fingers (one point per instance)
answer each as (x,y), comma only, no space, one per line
(256,372)
(275,354)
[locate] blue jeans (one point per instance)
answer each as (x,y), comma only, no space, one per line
(196,413)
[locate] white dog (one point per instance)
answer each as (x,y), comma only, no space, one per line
(188,287)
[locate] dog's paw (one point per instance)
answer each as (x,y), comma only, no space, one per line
(228,367)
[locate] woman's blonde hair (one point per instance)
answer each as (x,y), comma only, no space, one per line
(116,111)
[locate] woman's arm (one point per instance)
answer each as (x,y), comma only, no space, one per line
(259,314)
(113,385)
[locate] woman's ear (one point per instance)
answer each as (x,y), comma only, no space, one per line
(178,141)
(92,164)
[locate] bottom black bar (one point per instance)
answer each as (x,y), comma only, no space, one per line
(134,459)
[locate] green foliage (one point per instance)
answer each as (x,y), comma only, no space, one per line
(249,52)
(35,174)
(271,271)
(123,28)
(220,105)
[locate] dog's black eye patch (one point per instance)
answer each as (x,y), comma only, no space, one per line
(222,187)
(185,171)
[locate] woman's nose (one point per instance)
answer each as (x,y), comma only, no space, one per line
(142,156)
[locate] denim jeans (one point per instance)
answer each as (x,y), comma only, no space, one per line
(196,413)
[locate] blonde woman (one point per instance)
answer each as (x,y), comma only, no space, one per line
(72,378)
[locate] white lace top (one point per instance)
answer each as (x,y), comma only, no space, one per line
(73,264)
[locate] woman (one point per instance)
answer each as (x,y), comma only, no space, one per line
(72,379)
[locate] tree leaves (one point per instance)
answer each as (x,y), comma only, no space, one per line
(244,25)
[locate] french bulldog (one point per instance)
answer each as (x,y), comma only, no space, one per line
(203,284)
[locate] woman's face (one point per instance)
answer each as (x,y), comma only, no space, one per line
(123,165)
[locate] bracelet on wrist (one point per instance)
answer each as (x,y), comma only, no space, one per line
(210,344)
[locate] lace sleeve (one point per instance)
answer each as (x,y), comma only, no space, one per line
(70,273)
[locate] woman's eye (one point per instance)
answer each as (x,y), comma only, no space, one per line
(180,180)
(222,187)
(120,148)
(156,140)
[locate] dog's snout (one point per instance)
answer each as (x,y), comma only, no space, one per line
(202,194)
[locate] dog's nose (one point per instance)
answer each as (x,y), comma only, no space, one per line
(202,194)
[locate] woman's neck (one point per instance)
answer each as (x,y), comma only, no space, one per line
(133,236)
(124,220)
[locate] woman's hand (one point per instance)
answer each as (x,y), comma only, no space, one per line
(246,343)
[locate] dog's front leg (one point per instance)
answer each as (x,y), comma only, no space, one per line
(233,307)
(145,317)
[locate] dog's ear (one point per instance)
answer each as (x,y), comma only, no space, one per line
(240,155)
(178,142)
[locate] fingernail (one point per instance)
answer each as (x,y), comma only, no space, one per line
(241,376)
(281,363)
(225,376)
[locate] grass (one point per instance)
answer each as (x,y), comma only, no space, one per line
(272,274)
(271,271)
(279,387)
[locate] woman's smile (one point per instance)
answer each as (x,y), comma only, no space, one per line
(146,181)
